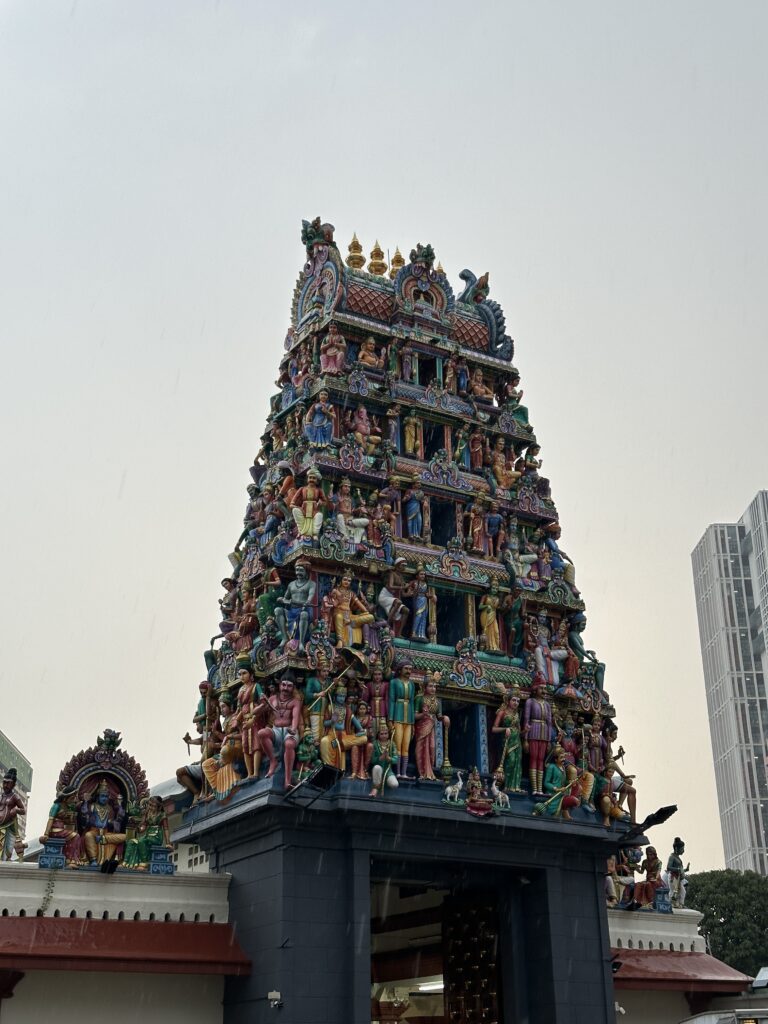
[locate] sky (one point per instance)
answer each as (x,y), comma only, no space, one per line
(605,162)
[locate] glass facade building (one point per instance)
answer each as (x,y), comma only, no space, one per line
(730,574)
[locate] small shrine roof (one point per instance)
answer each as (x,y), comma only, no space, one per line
(683,971)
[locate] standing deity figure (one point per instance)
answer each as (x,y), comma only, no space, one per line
(383,762)
(413,509)
(512,608)
(576,757)
(449,375)
(494,529)
(102,821)
(376,696)
(152,832)
(489,617)
(411,433)
(427,720)
(343,731)
(293,611)
(390,597)
(507,723)
(476,449)
(360,753)
(307,506)
(316,688)
(318,423)
(461,448)
(351,525)
(333,352)
(475,513)
(393,426)
(252,709)
(406,362)
(676,873)
(402,700)
(283,734)
(11,806)
(350,614)
(537,734)
(419,591)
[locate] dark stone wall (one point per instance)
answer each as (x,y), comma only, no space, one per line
(300,902)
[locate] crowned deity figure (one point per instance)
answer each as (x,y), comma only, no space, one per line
(307,506)
(102,821)
(333,352)
(350,614)
(151,832)
(293,611)
(318,423)
(427,720)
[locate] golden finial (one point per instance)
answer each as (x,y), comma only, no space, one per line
(377,265)
(440,268)
(397,262)
(356,260)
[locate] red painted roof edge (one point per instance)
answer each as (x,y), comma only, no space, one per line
(147,947)
(667,970)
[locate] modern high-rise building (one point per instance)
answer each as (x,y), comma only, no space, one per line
(730,575)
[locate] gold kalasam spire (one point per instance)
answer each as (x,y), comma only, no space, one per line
(356,260)
(440,267)
(377,265)
(397,262)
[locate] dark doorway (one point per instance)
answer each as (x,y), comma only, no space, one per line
(434,438)
(427,370)
(451,615)
(442,520)
(463,733)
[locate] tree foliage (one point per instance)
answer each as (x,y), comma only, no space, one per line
(735,909)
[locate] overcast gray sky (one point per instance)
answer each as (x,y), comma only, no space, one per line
(605,162)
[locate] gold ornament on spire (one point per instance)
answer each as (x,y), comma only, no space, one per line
(440,268)
(377,265)
(397,262)
(356,260)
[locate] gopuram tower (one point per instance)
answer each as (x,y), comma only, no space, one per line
(406,747)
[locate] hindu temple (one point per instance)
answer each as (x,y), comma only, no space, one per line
(404,753)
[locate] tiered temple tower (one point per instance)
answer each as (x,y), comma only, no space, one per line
(402,632)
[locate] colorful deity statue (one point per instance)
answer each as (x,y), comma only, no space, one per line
(504,475)
(152,832)
(343,731)
(11,807)
(376,696)
(512,397)
(384,761)
(102,821)
(368,355)
(365,429)
(62,824)
(476,450)
(390,597)
(578,623)
(461,447)
(393,426)
(333,352)
(478,389)
(411,433)
(548,658)
(507,723)
(307,755)
(315,690)
(495,531)
(252,710)
(537,733)
(489,617)
(645,892)
(294,610)
(560,787)
(350,614)
(307,506)
(428,719)
(677,873)
(413,509)
(283,734)
(420,593)
(318,423)
(221,768)
(402,704)
(351,524)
